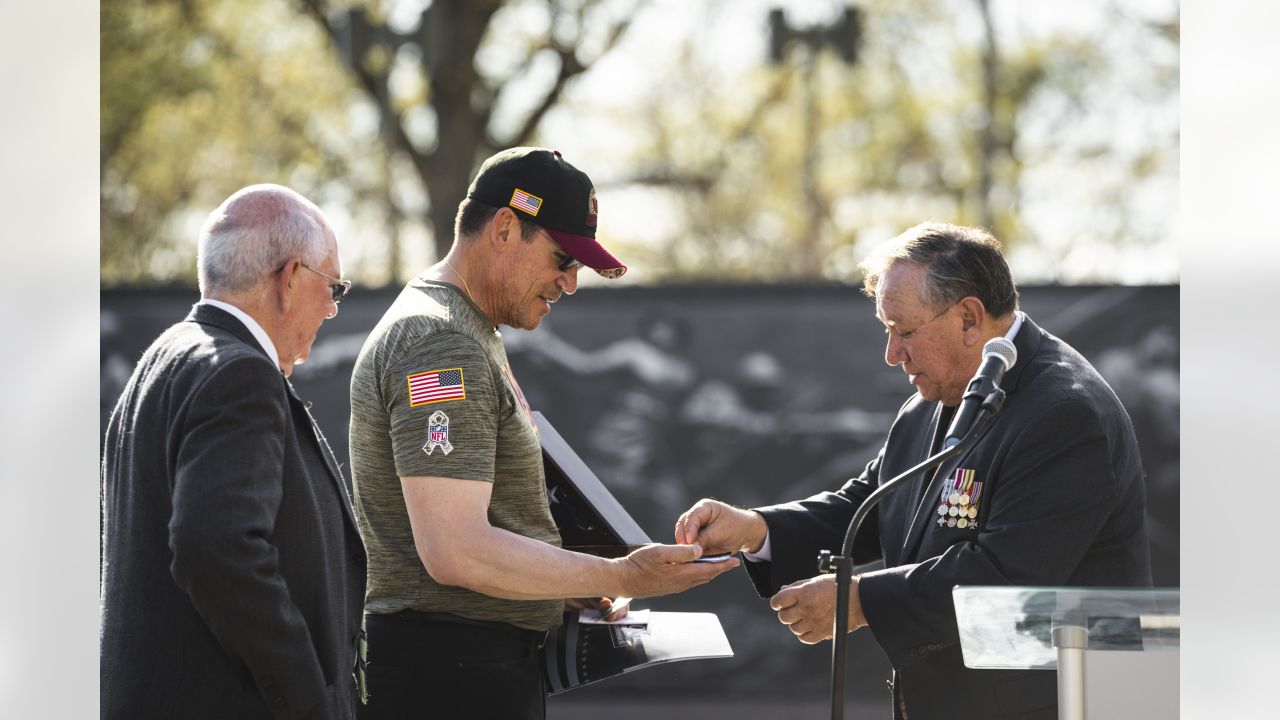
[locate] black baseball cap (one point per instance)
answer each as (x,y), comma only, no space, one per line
(544,188)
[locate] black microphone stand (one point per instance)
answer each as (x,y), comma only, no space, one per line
(842,564)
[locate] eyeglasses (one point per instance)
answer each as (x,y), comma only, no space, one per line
(340,287)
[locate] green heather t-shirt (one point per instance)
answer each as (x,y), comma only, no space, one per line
(432,394)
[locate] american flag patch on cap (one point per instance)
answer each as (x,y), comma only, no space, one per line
(526,202)
(436,386)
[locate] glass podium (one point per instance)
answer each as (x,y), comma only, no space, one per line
(1052,627)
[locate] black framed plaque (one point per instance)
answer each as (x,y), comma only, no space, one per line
(590,518)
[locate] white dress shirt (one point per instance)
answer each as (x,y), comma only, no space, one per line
(258,333)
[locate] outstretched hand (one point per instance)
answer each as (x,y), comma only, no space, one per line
(655,570)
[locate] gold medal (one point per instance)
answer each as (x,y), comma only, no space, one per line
(962,523)
(964,499)
(973,512)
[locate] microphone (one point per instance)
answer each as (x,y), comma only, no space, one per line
(998,355)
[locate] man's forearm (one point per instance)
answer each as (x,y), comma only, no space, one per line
(502,564)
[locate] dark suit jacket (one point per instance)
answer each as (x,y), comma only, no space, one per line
(232,571)
(1063,503)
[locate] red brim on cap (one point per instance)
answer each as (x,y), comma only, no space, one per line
(587,251)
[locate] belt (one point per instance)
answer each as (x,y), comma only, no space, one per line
(536,638)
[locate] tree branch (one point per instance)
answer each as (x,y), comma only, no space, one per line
(570,67)
(375,87)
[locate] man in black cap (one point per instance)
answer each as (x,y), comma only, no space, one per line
(466,576)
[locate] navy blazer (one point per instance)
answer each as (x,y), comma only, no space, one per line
(1063,503)
(232,570)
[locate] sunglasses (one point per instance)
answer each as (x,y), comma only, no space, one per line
(568,263)
(340,287)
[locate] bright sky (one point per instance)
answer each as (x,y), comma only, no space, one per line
(1057,202)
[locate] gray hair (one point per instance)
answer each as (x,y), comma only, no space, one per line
(958,262)
(255,232)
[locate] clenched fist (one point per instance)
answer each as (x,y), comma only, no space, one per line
(808,608)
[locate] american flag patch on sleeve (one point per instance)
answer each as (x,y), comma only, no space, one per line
(436,386)
(526,202)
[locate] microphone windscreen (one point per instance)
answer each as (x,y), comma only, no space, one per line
(1002,348)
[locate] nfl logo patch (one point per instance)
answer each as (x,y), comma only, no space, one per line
(438,433)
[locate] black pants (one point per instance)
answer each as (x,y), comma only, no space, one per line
(434,666)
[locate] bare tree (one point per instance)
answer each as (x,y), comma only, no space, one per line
(460,97)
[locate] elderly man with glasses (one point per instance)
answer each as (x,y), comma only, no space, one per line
(466,575)
(232,568)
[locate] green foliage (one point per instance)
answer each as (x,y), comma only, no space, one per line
(200,98)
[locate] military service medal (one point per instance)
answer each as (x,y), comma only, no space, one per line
(958,504)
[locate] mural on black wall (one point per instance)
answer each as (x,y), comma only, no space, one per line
(750,394)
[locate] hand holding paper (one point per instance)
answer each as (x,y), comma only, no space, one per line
(602,608)
(632,617)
